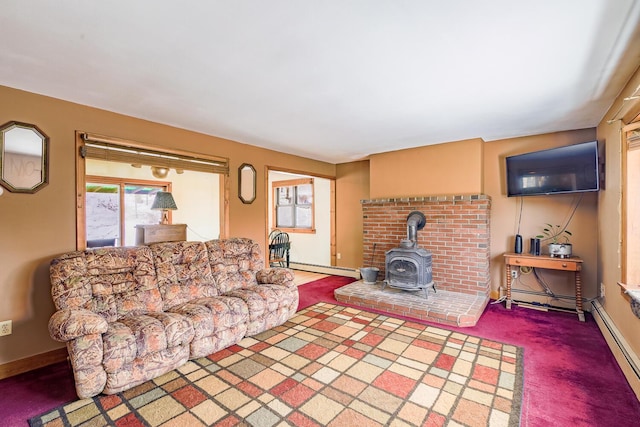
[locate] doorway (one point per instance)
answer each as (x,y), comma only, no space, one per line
(303,206)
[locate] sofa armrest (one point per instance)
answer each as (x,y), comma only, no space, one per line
(276,276)
(68,324)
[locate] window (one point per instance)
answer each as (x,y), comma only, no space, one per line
(294,210)
(631,203)
(203,177)
(115,206)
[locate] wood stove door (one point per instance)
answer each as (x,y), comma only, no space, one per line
(402,270)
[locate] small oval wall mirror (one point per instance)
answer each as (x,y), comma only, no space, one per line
(246,183)
(23,157)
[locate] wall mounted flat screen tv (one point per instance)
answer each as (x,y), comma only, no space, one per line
(568,169)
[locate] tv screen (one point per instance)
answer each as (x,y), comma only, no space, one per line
(568,169)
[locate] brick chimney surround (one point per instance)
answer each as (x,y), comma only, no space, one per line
(457,232)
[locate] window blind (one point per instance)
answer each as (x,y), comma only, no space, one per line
(97,148)
(633,139)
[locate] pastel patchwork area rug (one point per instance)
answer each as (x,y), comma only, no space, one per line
(329,365)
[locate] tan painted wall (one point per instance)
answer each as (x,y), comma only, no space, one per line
(451,168)
(536,211)
(609,214)
(352,185)
(36,227)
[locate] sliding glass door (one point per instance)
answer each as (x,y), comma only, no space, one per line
(115,206)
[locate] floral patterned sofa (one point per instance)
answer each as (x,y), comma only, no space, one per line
(130,314)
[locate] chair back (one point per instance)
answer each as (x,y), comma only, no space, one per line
(279,250)
(273,234)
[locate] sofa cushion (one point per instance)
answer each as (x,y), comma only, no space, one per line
(183,272)
(269,305)
(112,282)
(218,323)
(119,345)
(234,263)
(145,368)
(210,315)
(202,347)
(138,336)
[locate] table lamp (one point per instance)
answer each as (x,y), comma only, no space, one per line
(164,200)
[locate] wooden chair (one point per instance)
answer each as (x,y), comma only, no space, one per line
(279,247)
(273,234)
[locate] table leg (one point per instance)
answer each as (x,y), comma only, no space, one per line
(508,300)
(579,296)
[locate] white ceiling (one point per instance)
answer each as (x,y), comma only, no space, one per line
(333,80)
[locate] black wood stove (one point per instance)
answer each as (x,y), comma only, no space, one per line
(408,267)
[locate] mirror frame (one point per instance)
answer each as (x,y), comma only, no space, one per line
(246,184)
(44,160)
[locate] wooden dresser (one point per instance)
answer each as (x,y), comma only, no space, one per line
(154,233)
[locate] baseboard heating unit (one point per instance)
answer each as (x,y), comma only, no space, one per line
(625,356)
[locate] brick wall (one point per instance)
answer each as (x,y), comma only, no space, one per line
(456,232)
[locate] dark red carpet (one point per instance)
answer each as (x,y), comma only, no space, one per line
(321,290)
(571,377)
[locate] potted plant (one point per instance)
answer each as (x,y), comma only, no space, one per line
(558,236)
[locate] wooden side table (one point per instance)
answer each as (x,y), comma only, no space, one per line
(573,263)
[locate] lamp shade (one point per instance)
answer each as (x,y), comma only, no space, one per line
(164,200)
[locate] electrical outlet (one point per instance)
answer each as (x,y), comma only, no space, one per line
(339,255)
(5,328)
(601,290)
(514,274)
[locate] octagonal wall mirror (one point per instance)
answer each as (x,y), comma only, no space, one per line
(24,151)
(246,183)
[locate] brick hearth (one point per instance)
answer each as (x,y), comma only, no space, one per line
(445,307)
(457,234)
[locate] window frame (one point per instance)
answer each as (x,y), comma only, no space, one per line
(630,273)
(293,183)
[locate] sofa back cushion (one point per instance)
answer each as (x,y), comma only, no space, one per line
(183,272)
(234,263)
(112,282)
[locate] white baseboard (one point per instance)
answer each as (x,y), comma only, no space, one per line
(324,269)
(625,356)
